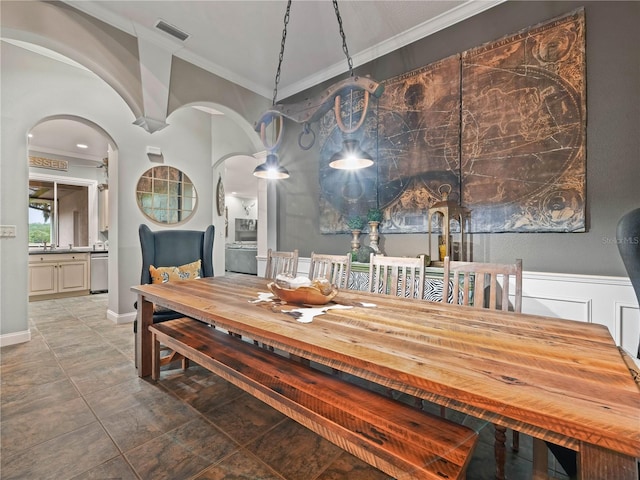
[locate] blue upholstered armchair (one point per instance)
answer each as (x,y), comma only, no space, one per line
(168,248)
(628,239)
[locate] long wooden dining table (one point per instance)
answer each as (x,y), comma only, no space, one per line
(557,380)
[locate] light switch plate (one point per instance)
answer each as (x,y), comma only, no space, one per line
(7,231)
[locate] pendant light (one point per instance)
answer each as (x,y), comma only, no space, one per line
(351,156)
(271,169)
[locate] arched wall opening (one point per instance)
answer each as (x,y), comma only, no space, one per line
(190,142)
(54,138)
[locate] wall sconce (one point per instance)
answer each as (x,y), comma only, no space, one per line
(351,156)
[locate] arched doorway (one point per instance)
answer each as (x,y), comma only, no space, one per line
(241,214)
(69,159)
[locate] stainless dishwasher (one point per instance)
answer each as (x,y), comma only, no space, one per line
(99,272)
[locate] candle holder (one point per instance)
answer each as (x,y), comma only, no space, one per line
(355,240)
(374,236)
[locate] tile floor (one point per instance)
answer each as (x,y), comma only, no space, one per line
(72,407)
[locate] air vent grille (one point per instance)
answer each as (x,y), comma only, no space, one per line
(171,30)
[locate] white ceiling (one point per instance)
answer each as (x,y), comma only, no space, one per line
(240,41)
(61,136)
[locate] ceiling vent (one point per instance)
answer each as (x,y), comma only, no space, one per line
(171,30)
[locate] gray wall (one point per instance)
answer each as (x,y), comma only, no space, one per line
(613,143)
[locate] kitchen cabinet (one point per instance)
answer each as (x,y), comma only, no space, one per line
(58,275)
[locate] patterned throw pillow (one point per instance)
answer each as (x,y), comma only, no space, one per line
(190,271)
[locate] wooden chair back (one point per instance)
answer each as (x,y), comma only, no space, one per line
(335,268)
(281,262)
(397,276)
(481,281)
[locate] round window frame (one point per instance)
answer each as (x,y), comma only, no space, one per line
(150,175)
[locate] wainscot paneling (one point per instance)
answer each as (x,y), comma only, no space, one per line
(609,301)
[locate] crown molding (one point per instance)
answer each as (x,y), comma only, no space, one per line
(445,20)
(442,21)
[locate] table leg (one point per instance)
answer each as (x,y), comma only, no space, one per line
(143,337)
(596,463)
(500,450)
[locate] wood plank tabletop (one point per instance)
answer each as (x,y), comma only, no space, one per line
(558,380)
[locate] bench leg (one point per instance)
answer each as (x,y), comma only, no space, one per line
(155,358)
(540,460)
(499,450)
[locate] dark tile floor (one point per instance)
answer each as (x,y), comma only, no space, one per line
(72,407)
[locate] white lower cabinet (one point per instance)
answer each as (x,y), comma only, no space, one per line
(58,274)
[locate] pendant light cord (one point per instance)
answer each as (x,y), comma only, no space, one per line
(281,56)
(345,49)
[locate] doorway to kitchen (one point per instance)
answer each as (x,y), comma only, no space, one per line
(68,160)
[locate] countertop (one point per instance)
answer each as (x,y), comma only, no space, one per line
(40,251)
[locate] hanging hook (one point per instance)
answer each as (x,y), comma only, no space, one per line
(306,129)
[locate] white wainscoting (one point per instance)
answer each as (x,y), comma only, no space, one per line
(609,301)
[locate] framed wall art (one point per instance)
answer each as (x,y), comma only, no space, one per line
(502,126)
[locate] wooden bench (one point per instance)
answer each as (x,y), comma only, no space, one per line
(394,437)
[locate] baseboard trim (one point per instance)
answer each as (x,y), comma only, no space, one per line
(121,318)
(15,338)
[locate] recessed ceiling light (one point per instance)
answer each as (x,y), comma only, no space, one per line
(30,135)
(82,145)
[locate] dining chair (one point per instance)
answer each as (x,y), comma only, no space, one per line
(397,276)
(335,268)
(400,277)
(173,248)
(486,285)
(482,285)
(281,262)
(627,235)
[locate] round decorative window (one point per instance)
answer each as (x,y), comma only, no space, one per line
(166,195)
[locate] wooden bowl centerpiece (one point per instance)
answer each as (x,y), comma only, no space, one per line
(318,292)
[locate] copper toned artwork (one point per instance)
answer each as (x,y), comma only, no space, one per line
(419,135)
(523,140)
(502,126)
